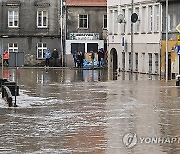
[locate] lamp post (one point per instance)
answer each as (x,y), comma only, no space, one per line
(16,60)
(61,37)
(2,57)
(166,40)
(132,6)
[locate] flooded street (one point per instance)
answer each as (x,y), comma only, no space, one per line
(67,111)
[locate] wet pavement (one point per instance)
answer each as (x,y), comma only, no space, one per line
(90,112)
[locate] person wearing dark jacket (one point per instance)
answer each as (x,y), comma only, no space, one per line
(55,56)
(99,57)
(81,59)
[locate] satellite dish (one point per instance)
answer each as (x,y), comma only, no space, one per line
(134,17)
(120,18)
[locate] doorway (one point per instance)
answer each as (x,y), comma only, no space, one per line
(113,59)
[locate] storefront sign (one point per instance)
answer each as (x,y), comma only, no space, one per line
(84,36)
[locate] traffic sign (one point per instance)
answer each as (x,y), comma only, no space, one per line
(178,28)
(134,17)
(178,48)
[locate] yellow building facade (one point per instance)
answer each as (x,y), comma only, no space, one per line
(173,58)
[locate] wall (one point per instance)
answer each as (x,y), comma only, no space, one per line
(95,18)
(27,35)
(174,58)
(144,41)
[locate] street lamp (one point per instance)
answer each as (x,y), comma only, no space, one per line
(132,7)
(16,61)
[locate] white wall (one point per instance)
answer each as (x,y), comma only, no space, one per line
(148,42)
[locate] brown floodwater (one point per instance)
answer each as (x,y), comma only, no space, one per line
(68,111)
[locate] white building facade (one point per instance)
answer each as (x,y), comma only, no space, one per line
(134,46)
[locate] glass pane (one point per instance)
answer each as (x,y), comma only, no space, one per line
(11,45)
(15,45)
(80,16)
(15,23)
(10,13)
(44,45)
(39,21)
(39,14)
(44,13)
(44,21)
(39,45)
(10,23)
(39,54)
(85,23)
(81,23)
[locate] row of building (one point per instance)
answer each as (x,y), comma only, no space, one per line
(33,26)
(141,46)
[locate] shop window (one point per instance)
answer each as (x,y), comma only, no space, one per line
(92,47)
(75,47)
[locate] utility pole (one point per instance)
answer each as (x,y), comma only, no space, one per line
(132,6)
(166,40)
(2,56)
(61,37)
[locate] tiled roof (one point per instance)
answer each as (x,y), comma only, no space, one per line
(86,2)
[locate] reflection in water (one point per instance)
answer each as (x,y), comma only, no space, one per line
(88,111)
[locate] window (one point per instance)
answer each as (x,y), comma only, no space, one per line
(41,48)
(110,20)
(42,19)
(136,60)
(115,22)
(92,47)
(143,61)
(150,17)
(13,47)
(77,47)
(129,20)
(138,22)
(143,22)
(157,18)
(105,22)
(83,21)
(150,62)
(123,60)
(13,18)
(123,25)
(129,60)
(156,63)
